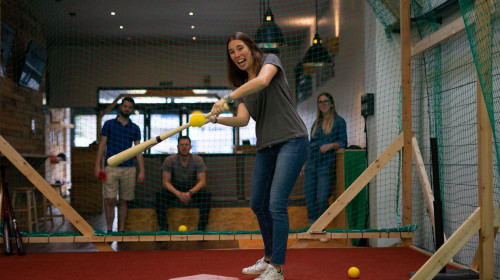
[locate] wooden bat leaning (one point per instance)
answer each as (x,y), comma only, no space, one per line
(17,233)
(137,149)
(7,233)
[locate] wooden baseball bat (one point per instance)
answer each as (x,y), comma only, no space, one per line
(137,149)
(17,232)
(7,233)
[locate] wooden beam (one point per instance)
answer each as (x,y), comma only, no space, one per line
(48,191)
(450,248)
(302,238)
(477,257)
(407,168)
(424,180)
(357,185)
(444,33)
(429,254)
(482,19)
(485,188)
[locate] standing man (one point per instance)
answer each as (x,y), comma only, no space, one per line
(183,178)
(118,135)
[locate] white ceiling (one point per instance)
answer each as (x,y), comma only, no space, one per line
(164,19)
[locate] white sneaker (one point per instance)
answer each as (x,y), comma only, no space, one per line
(259,267)
(271,274)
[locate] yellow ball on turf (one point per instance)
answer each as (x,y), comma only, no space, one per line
(183,228)
(353,273)
(197,119)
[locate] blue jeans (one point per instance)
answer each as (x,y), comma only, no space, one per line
(275,172)
(318,187)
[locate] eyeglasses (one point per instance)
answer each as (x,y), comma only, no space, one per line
(323,102)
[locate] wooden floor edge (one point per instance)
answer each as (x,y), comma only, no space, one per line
(206,237)
(413,247)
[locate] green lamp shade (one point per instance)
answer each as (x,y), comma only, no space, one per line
(317,55)
(269,34)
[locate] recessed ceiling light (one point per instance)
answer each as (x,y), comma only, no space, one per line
(191,13)
(113,13)
(193,27)
(194,38)
(121,26)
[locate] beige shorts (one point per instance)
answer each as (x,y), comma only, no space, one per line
(119,180)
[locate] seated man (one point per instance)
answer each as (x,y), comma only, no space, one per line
(183,178)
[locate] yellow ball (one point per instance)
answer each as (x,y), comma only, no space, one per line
(197,119)
(183,228)
(353,273)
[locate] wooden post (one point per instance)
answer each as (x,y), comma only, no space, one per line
(485,142)
(485,188)
(406,113)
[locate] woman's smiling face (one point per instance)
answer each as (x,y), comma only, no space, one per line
(240,54)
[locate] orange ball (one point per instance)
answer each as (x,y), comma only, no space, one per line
(353,273)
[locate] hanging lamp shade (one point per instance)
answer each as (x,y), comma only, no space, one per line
(269,34)
(317,55)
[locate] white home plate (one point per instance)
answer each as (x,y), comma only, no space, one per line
(204,277)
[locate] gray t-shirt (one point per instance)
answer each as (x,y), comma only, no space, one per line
(184,176)
(273,110)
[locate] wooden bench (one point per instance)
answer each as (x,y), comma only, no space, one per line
(221,219)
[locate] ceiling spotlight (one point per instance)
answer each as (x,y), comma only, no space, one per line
(194,38)
(191,13)
(193,27)
(121,26)
(113,13)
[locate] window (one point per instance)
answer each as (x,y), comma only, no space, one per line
(86,127)
(212,138)
(165,114)
(161,124)
(85,130)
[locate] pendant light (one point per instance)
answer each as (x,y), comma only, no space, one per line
(269,36)
(317,55)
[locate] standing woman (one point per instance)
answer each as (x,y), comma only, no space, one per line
(328,133)
(262,92)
